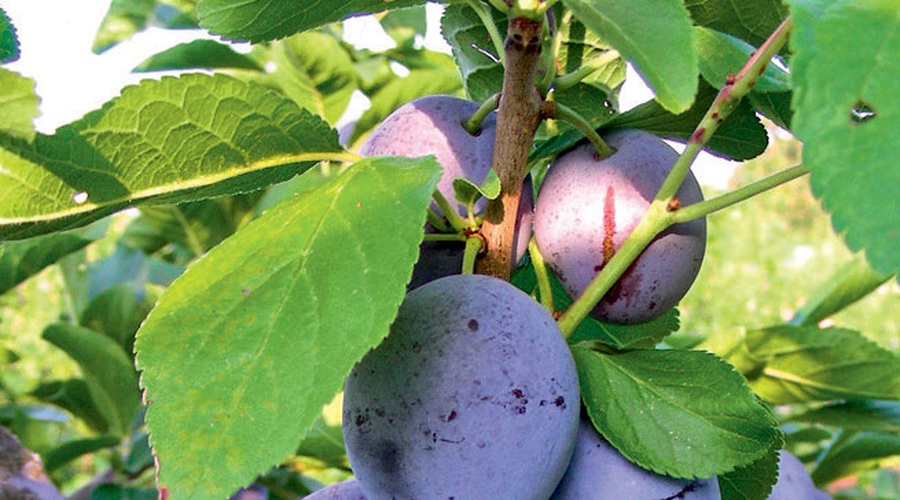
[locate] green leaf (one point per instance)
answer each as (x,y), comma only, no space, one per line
(9,42)
(397,92)
(751,482)
(315,71)
(477,58)
(659,45)
(855,452)
(645,335)
(111,491)
(200,136)
(775,106)
(263,20)
(74,396)
(675,412)
(128,17)
(852,282)
(749,20)
(581,47)
(20,260)
(404,24)
(199,54)
(722,55)
(849,124)
(107,370)
(70,450)
(18,104)
(243,350)
(116,313)
(800,364)
(855,415)
(466,191)
(741,136)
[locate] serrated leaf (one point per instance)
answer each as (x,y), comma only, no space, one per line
(855,415)
(849,125)
(241,353)
(801,364)
(660,45)
(74,396)
(315,71)
(70,450)
(741,136)
(264,20)
(9,42)
(751,482)
(20,260)
(108,371)
(855,452)
(397,92)
(775,106)
(125,18)
(18,104)
(198,54)
(853,281)
(645,335)
(749,20)
(675,412)
(200,136)
(475,54)
(721,55)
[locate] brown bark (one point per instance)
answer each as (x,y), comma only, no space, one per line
(518,117)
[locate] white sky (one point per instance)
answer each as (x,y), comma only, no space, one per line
(56,38)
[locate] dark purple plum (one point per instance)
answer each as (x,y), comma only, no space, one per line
(473,394)
(432,125)
(586,209)
(599,472)
(344,490)
(794,481)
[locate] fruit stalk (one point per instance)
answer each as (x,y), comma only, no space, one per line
(659,216)
(518,117)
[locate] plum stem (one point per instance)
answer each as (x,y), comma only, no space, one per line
(445,237)
(485,16)
(571,116)
(568,80)
(518,117)
(474,244)
(726,200)
(473,124)
(456,222)
(550,60)
(437,221)
(543,276)
(659,216)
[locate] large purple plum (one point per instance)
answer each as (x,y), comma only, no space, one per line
(794,481)
(586,209)
(433,125)
(599,472)
(473,394)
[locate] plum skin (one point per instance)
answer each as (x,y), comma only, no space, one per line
(344,490)
(432,125)
(585,210)
(599,472)
(794,480)
(473,394)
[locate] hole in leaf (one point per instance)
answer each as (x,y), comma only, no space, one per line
(861,112)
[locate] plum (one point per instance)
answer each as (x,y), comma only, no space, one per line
(794,481)
(344,490)
(473,394)
(433,125)
(586,209)
(598,471)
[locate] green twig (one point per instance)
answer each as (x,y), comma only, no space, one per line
(437,221)
(658,216)
(707,207)
(550,59)
(570,115)
(488,21)
(542,275)
(500,5)
(473,124)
